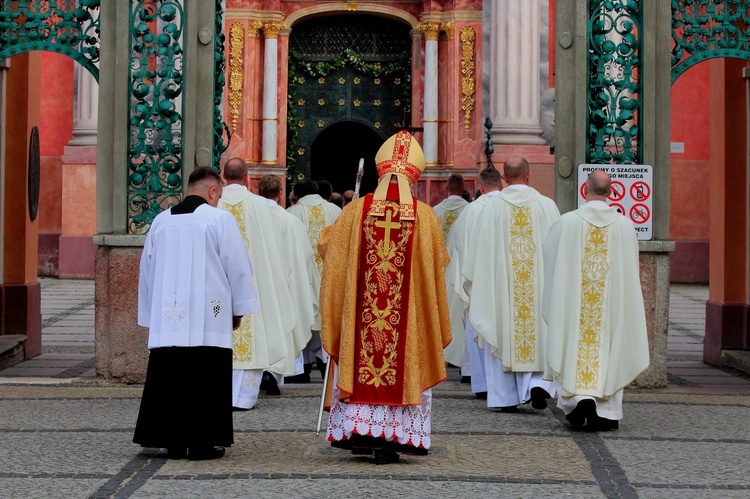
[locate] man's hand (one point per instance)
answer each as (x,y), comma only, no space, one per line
(236,321)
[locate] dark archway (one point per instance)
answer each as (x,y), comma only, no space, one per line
(335,154)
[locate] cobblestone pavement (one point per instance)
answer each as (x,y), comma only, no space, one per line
(65,433)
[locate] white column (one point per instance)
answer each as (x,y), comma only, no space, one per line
(514,72)
(85,107)
(270,93)
(430,121)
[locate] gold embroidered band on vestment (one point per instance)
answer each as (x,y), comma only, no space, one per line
(594,272)
(522,251)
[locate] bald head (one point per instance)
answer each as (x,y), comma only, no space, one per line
(235,171)
(597,186)
(516,171)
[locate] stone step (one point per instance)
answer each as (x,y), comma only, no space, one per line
(11,349)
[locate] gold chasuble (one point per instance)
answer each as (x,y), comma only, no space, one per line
(383,299)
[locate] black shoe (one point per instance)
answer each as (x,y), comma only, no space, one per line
(585,409)
(240,409)
(509,408)
(173,453)
(205,453)
(465,379)
(539,398)
(481,395)
(300,378)
(383,456)
(272,387)
(597,423)
(361,451)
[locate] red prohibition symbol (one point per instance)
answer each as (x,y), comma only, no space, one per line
(618,207)
(640,191)
(618,191)
(640,213)
(583,190)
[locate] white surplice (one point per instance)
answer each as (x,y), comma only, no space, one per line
(462,232)
(316,214)
(448,211)
(597,339)
(266,340)
(201,276)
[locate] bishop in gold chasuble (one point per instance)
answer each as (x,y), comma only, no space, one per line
(384,310)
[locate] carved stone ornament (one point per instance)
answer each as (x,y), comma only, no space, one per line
(34,173)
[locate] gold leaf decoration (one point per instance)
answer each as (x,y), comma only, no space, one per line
(321,102)
(301,102)
(357,80)
(321,123)
(342,102)
(301,80)
(321,80)
(342,81)
(377,124)
(236,74)
(377,102)
(357,102)
(301,151)
(301,124)
(468,37)
(377,81)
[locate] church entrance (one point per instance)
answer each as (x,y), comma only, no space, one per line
(349,87)
(335,155)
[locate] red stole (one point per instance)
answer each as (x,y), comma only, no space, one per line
(382,305)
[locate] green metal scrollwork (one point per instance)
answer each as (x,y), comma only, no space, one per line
(220,145)
(707,29)
(614,86)
(156,86)
(69,27)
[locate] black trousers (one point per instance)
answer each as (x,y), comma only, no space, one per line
(187,398)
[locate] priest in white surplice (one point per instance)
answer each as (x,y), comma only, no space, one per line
(450,208)
(505,267)
(464,350)
(597,340)
(266,340)
(195,284)
(299,262)
(316,214)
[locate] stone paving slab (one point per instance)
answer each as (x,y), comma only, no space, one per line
(43,486)
(280,488)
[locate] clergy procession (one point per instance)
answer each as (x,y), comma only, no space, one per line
(383,297)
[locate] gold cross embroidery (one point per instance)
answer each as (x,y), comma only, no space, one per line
(388,225)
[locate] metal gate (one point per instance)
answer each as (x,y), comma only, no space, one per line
(345,69)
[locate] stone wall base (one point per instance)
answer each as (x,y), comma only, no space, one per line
(22,315)
(121,345)
(655,287)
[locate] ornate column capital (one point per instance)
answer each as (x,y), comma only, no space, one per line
(448,28)
(271,28)
(253,29)
(430,30)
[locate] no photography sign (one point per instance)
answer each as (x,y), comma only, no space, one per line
(632,186)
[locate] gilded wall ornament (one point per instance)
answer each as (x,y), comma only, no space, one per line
(357,102)
(377,124)
(321,102)
(301,124)
(468,38)
(376,81)
(342,81)
(321,80)
(342,102)
(236,74)
(301,151)
(377,102)
(300,102)
(301,80)
(321,123)
(357,80)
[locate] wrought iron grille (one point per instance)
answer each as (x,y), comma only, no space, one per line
(69,27)
(219,144)
(707,29)
(367,36)
(156,85)
(614,87)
